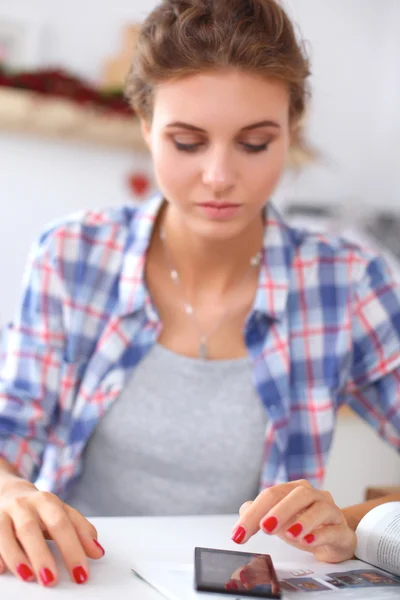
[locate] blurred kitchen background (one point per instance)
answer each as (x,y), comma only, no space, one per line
(71,144)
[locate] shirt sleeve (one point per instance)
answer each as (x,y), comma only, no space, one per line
(373,389)
(30,358)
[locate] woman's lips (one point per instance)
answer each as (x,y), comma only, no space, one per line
(220,210)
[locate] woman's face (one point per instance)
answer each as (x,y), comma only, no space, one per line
(219,143)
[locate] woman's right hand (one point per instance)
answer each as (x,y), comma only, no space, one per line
(27,518)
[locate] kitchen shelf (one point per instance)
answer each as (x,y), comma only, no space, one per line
(31,113)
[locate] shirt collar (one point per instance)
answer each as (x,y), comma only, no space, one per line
(278,251)
(133,294)
(273,284)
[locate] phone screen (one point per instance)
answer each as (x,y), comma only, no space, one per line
(238,573)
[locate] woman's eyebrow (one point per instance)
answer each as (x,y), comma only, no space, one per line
(246,128)
(261,124)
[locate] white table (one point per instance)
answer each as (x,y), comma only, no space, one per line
(152,539)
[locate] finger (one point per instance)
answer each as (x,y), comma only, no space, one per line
(234,584)
(18,562)
(244,507)
(279,518)
(249,522)
(247,578)
(295,513)
(332,543)
(57,522)
(15,533)
(86,533)
(320,513)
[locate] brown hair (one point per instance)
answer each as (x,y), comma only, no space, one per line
(185,37)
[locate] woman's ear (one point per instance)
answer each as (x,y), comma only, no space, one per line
(146,131)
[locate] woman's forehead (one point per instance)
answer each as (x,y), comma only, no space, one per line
(221,97)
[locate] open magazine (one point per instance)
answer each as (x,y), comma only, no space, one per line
(376,575)
(378,537)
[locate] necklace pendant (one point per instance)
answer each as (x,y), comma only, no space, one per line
(188,309)
(203,350)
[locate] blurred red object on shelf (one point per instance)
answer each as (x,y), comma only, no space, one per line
(58,83)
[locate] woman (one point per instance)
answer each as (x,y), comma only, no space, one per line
(180,356)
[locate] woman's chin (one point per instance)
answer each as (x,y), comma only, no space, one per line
(218,231)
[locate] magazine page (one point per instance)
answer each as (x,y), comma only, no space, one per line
(378,537)
(352,579)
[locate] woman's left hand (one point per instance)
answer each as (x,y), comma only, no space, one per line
(301,515)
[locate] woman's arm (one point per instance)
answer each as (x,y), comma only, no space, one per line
(30,358)
(354,514)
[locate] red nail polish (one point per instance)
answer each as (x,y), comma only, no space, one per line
(46,576)
(99,546)
(310,538)
(295,530)
(239,534)
(25,572)
(270,524)
(80,575)
(231,585)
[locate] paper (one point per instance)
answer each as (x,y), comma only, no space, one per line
(352,580)
(378,536)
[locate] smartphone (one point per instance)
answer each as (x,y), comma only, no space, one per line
(242,574)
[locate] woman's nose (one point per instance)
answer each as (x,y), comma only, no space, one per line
(219,173)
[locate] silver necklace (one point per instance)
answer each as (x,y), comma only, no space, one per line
(203,351)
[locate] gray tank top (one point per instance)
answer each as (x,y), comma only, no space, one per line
(185,437)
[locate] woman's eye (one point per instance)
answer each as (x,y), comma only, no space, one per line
(251,148)
(186,147)
(256,148)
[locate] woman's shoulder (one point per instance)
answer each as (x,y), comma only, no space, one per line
(334,251)
(112,229)
(330,256)
(336,261)
(95,222)
(91,245)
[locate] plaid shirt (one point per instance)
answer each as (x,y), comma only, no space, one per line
(324,331)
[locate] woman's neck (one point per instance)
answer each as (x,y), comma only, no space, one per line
(216,264)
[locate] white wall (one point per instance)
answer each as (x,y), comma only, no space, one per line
(355,50)
(359,459)
(354,122)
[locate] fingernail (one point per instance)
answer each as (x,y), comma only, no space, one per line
(295,530)
(270,524)
(99,546)
(231,585)
(239,534)
(46,576)
(80,575)
(25,572)
(310,538)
